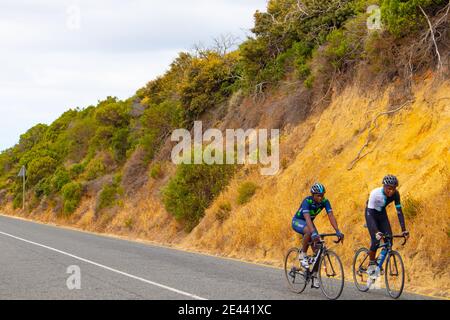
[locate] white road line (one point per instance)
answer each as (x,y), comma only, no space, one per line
(107,268)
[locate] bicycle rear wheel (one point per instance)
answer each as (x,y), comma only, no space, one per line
(295,273)
(360,266)
(395,275)
(331,275)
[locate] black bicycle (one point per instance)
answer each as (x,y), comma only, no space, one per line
(394,270)
(324,266)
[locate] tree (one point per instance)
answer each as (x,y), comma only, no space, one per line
(192,190)
(32,137)
(40,168)
(207,82)
(403,16)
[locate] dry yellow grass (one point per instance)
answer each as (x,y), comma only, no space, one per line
(413,144)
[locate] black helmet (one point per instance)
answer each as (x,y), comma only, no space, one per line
(390,180)
(318,188)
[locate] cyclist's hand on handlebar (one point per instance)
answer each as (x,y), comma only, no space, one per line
(340,235)
(315,237)
(379,236)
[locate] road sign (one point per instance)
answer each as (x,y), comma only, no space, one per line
(22,172)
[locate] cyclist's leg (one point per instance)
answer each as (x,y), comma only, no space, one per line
(306,239)
(300,227)
(384,225)
(372,225)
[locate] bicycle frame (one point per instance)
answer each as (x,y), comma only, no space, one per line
(388,245)
(322,250)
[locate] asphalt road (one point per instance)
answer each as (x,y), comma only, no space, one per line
(41,262)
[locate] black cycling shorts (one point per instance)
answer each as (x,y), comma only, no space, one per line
(377,222)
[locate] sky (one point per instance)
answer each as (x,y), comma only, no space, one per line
(62,54)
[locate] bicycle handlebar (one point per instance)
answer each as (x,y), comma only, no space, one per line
(387,236)
(405,239)
(331,235)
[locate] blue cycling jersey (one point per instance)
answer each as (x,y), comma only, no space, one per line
(309,206)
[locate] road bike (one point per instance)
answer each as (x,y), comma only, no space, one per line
(394,270)
(325,266)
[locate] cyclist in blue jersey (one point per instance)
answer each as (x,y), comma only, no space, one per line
(303,221)
(376,215)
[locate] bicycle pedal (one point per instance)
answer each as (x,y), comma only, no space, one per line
(293,272)
(370,283)
(315,285)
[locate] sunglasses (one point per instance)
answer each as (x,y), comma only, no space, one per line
(320,195)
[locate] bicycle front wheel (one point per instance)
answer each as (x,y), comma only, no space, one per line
(395,275)
(331,275)
(295,273)
(360,266)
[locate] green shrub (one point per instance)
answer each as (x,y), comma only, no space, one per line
(119,144)
(60,178)
(32,137)
(302,53)
(117,179)
(162,118)
(70,206)
(283,34)
(17,202)
(71,193)
(411,207)
(192,190)
(224,211)
(309,82)
(346,45)
(129,223)
(113,113)
(40,168)
(76,170)
(96,168)
(404,16)
(43,187)
(207,81)
(77,138)
(156,171)
(149,143)
(246,191)
(103,136)
(107,197)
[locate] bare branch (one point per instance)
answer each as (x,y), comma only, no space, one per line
(224,43)
(259,92)
(440,65)
(373,126)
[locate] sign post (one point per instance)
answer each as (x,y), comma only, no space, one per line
(22,173)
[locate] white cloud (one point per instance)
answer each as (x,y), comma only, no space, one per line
(48,65)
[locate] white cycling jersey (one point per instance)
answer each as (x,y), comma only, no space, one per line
(379,201)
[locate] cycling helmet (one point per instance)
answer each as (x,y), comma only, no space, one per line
(390,180)
(318,188)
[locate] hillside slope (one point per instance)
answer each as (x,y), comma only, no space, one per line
(411,143)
